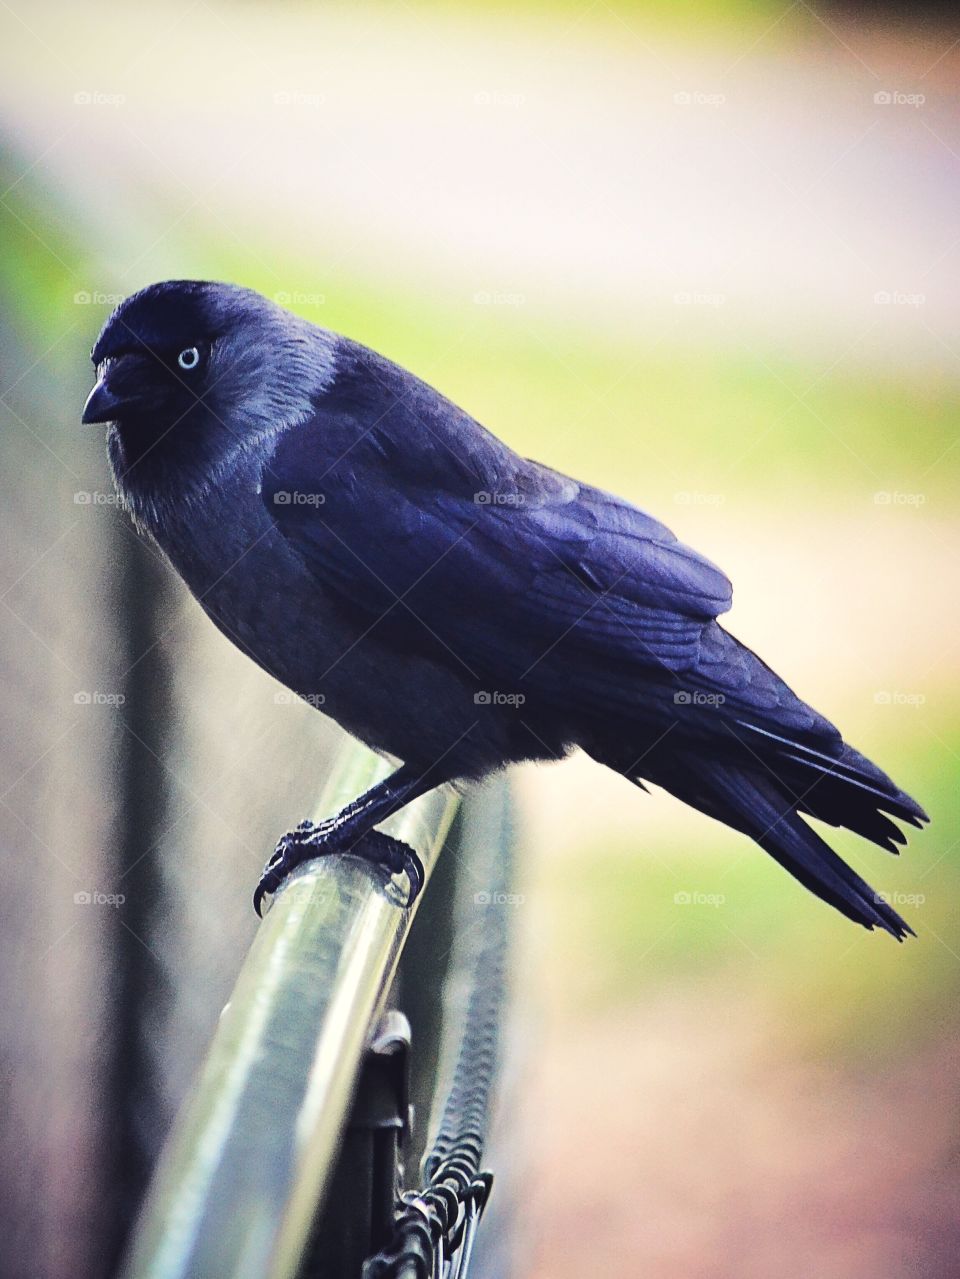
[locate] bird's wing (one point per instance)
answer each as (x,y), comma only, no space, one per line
(442,537)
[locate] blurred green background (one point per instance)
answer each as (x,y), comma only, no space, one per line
(704,256)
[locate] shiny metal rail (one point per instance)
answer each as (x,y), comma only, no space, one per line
(238,1185)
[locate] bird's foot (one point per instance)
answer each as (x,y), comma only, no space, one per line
(311,839)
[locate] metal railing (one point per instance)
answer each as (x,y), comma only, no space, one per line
(238,1186)
(436,1222)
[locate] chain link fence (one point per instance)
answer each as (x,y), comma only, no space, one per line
(147,769)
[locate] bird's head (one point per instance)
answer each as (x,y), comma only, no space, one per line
(190,373)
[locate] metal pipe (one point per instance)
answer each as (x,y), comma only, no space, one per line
(238,1186)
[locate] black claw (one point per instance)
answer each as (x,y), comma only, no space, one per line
(415,873)
(269,883)
(309,840)
(396,857)
(291,850)
(259,893)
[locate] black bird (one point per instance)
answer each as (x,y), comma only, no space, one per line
(451,604)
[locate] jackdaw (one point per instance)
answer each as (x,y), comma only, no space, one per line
(453,605)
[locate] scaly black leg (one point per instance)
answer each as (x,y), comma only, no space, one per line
(352,831)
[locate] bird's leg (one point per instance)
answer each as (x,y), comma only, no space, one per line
(352,831)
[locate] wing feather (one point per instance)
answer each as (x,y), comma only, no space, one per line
(412,512)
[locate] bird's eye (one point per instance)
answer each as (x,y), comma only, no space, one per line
(189,359)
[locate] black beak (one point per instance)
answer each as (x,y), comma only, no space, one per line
(102,405)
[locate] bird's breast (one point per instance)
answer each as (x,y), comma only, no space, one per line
(258,592)
(246,578)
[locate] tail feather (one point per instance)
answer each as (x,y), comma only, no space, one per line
(756,805)
(759,759)
(840,774)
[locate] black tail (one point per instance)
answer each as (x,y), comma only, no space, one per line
(765,797)
(758,758)
(843,788)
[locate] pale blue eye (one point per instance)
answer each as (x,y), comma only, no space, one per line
(189,359)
